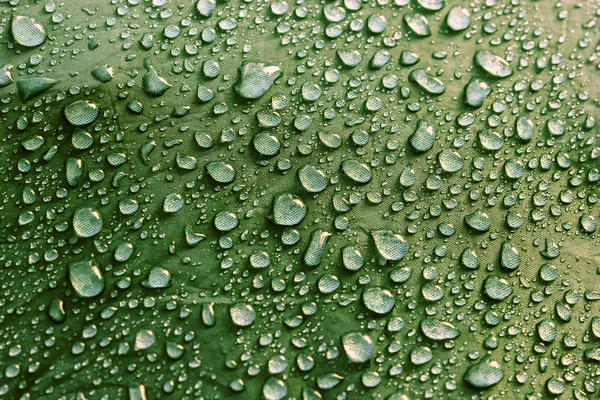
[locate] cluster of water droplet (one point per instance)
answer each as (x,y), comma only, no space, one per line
(348,200)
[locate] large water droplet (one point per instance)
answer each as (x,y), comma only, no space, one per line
(256,79)
(87,222)
(86,278)
(484,374)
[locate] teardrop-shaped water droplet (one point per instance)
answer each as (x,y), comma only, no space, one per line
(423,138)
(316,247)
(30,87)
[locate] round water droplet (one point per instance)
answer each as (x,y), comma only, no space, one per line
(311,91)
(377,23)
(85,278)
(288,210)
(497,288)
(350,58)
(274,389)
(358,347)
(421,355)
(221,172)
(352,259)
(27,31)
(123,252)
(547,330)
(266,144)
(514,169)
(87,222)
(432,5)
(81,112)
(458,18)
(484,374)
(478,221)
(242,314)
(225,221)
(450,160)
(312,179)
(158,278)
(206,7)
(379,300)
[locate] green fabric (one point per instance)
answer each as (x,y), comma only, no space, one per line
(422,243)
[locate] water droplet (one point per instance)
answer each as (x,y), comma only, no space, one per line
(418,24)
(484,374)
(359,347)
(427,82)
(242,314)
(435,329)
(379,300)
(458,18)
(86,278)
(391,246)
(27,31)
(206,7)
(357,171)
(494,65)
(173,203)
(478,221)
(288,210)
(497,288)
(31,87)
(81,112)
(221,172)
(450,160)
(256,79)
(316,247)
(87,222)
(144,339)
(476,91)
(158,278)
(423,138)
(312,179)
